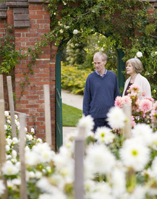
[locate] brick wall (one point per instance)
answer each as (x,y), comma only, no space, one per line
(31,20)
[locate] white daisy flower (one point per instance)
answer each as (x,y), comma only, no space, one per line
(116,118)
(32,158)
(102,190)
(99,158)
(154,141)
(57,180)
(30,174)
(17,123)
(15,140)
(2,187)
(144,133)
(8,121)
(153,169)
(9,168)
(6,113)
(139,54)
(45,185)
(29,137)
(89,186)
(134,154)
(32,130)
(86,122)
(118,181)
(45,196)
(104,135)
(9,141)
(75,31)
(39,140)
(38,174)
(15,116)
(138,193)
(14,153)
(16,181)
(10,184)
(7,147)
(46,156)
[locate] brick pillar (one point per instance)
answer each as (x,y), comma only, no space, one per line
(32,100)
(4,21)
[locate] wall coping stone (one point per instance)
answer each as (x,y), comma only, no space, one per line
(37,1)
(3,6)
(150,0)
(3,11)
(17,3)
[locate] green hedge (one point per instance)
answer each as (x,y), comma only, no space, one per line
(73,79)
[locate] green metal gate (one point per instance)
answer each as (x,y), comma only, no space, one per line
(59,134)
(120,67)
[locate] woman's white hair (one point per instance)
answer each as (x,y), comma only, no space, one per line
(136,63)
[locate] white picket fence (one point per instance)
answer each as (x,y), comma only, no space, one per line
(79,141)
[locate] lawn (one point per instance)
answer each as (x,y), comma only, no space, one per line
(70,115)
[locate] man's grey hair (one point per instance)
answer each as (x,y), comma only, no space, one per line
(100,54)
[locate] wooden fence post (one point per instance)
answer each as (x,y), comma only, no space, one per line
(47,114)
(11,105)
(22,134)
(2,145)
(1,87)
(79,167)
(127,127)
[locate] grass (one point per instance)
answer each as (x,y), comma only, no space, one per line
(70,115)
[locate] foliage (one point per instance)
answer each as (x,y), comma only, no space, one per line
(126,23)
(72,118)
(111,18)
(94,42)
(75,53)
(10,57)
(73,79)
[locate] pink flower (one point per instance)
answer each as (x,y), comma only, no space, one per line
(118,101)
(153,115)
(155,106)
(145,105)
(132,121)
(135,88)
(126,99)
(149,98)
(143,94)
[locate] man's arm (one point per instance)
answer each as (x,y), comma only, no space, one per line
(86,98)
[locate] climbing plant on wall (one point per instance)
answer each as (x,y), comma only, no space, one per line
(9,56)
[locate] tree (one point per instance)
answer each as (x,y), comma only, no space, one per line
(126,23)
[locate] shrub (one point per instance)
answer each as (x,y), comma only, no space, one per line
(73,79)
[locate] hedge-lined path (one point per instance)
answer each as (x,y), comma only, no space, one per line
(71,100)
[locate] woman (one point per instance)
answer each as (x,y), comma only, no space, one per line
(133,68)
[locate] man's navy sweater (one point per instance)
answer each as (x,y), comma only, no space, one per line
(100,93)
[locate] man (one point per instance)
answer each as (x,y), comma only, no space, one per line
(100,92)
